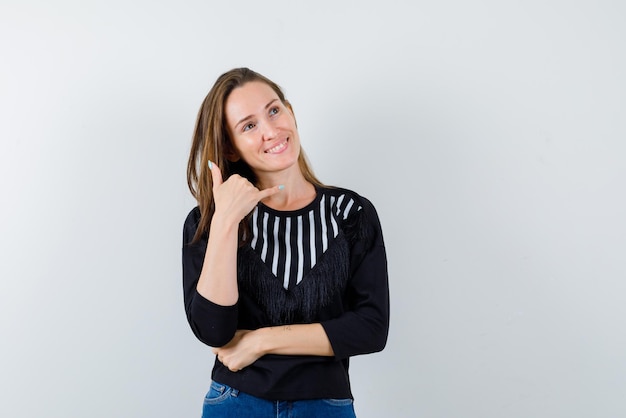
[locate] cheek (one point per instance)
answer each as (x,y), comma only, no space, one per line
(244,146)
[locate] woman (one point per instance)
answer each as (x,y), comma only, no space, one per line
(286,278)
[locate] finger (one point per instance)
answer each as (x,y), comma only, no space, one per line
(216,174)
(270,191)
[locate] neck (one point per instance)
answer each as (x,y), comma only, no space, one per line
(297,192)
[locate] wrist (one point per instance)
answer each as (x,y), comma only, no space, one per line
(224,220)
(263,341)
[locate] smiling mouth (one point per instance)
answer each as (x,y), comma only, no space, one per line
(278,148)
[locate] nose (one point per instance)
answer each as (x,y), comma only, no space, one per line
(269,130)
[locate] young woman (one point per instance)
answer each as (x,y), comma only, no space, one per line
(285,277)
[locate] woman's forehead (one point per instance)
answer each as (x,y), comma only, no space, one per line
(249,99)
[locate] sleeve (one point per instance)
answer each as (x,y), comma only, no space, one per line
(213,324)
(364,326)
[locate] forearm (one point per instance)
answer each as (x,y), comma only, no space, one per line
(300,339)
(218,279)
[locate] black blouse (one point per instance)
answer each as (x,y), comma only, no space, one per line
(323,263)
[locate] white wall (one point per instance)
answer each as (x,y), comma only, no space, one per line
(490,135)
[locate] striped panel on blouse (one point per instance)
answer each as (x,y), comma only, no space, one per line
(290,245)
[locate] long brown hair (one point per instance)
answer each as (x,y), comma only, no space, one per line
(211,142)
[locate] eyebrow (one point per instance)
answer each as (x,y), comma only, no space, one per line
(250,116)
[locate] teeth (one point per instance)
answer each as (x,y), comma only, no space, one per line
(277,148)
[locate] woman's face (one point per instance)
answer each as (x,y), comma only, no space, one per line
(262,128)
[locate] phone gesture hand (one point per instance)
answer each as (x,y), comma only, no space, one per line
(236,197)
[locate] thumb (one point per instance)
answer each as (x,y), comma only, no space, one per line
(216,174)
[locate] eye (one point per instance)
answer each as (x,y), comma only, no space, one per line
(248,126)
(274,110)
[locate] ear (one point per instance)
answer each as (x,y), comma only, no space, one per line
(232,155)
(230,152)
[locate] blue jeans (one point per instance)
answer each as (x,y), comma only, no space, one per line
(225,402)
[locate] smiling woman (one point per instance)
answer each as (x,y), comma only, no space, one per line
(284,277)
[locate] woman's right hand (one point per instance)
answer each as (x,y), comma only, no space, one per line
(236,197)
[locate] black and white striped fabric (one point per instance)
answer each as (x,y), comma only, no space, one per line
(291,243)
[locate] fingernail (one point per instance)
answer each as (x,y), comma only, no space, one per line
(210,165)
(282,186)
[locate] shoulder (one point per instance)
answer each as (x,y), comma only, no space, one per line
(191,225)
(346,198)
(358,212)
(338,191)
(193,218)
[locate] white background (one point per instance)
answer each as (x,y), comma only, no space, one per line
(490,135)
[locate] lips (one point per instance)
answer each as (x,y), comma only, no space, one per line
(277,148)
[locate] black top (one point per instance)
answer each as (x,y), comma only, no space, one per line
(323,263)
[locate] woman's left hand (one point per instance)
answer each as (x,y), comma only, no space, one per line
(240,352)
